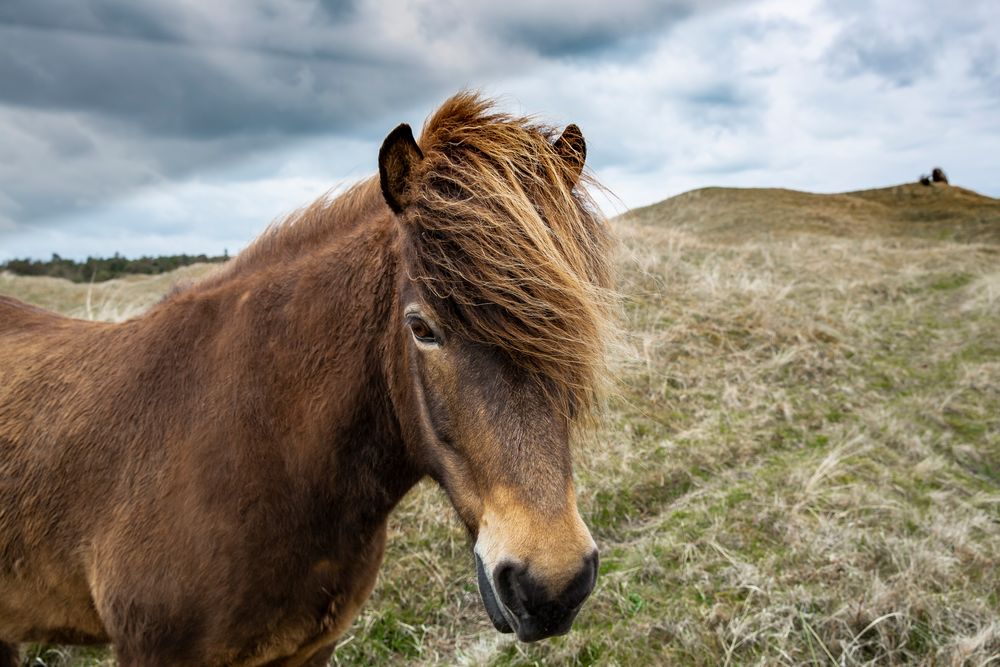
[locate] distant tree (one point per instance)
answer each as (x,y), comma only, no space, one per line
(99,269)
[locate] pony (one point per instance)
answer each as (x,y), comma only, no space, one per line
(209,483)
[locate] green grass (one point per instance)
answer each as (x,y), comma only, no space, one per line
(951,281)
(801,465)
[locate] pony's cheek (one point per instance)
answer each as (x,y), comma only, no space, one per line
(444,440)
(458,484)
(433,389)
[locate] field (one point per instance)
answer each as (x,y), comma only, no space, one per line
(801,464)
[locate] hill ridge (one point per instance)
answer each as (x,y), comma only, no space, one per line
(908,210)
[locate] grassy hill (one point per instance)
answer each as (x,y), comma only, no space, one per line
(908,211)
(802,465)
(115,299)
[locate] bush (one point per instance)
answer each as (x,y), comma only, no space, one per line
(98,269)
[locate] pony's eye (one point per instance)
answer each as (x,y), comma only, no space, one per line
(422,331)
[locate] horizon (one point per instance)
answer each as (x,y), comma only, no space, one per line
(176,129)
(225,254)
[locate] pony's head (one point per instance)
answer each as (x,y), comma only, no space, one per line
(502,328)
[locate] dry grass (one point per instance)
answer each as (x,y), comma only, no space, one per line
(113,300)
(803,463)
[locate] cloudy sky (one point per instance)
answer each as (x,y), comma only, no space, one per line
(170,126)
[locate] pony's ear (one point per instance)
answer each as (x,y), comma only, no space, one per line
(573,149)
(396,159)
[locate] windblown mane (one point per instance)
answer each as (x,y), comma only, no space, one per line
(306,229)
(520,257)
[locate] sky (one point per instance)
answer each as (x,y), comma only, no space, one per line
(185,126)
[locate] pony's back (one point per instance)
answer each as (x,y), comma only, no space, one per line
(17,316)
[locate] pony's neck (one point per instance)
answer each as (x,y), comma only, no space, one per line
(304,345)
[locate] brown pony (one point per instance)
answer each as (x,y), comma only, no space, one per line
(209,483)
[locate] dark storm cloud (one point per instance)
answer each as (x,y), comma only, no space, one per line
(169,73)
(176,89)
(338,9)
(901,60)
(97,99)
(594,29)
(130,94)
(57,162)
(99,17)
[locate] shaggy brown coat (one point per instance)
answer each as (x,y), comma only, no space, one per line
(209,483)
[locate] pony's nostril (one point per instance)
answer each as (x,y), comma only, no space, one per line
(536,612)
(581,585)
(522,585)
(525,595)
(511,587)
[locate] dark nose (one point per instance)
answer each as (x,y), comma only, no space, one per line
(535,613)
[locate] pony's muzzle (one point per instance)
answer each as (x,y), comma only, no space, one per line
(517,602)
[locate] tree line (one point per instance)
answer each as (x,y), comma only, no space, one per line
(99,269)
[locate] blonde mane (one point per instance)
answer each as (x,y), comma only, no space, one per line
(504,233)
